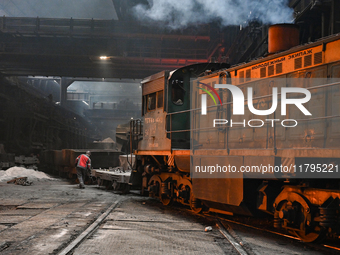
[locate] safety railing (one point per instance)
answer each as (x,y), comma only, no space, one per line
(170,131)
(136,131)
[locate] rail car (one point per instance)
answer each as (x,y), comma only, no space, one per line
(178,134)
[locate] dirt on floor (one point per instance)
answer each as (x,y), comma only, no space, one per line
(44,217)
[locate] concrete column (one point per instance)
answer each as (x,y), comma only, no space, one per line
(64,83)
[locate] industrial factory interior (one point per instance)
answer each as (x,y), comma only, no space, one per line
(170,127)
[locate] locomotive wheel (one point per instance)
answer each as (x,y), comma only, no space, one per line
(310,237)
(297,211)
(166,200)
(155,184)
(195,204)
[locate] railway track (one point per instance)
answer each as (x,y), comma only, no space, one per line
(236,244)
(332,247)
(230,230)
(224,224)
(88,231)
(72,247)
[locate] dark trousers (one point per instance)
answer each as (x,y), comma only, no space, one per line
(81,174)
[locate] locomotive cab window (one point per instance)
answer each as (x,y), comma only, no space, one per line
(144,105)
(177,92)
(160,99)
(151,102)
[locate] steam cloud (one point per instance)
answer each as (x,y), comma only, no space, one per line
(181,13)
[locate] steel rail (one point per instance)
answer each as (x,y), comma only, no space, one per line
(68,249)
(238,246)
(269,231)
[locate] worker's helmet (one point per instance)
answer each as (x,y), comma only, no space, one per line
(88,153)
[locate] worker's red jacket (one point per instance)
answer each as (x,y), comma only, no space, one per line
(83,161)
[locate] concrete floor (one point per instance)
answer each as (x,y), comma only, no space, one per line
(138,227)
(45,217)
(49,216)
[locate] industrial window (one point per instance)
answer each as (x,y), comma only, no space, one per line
(308,60)
(278,68)
(248,74)
(152,102)
(270,70)
(297,63)
(160,99)
(317,58)
(241,76)
(262,72)
(177,92)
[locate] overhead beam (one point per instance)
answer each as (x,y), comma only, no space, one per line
(72,47)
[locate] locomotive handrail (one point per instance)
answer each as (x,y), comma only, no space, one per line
(259,97)
(319,118)
(135,132)
(206,128)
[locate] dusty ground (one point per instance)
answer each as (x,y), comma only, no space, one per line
(137,226)
(46,217)
(42,218)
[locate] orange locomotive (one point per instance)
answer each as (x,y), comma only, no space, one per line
(177,137)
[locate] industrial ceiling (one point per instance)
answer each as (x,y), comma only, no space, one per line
(76,40)
(103,39)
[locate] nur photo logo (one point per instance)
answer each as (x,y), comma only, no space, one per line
(239,102)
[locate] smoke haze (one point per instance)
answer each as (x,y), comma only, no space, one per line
(181,13)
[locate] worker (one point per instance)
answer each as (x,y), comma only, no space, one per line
(83,163)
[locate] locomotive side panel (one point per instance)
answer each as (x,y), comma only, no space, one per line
(299,204)
(310,132)
(334,106)
(221,190)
